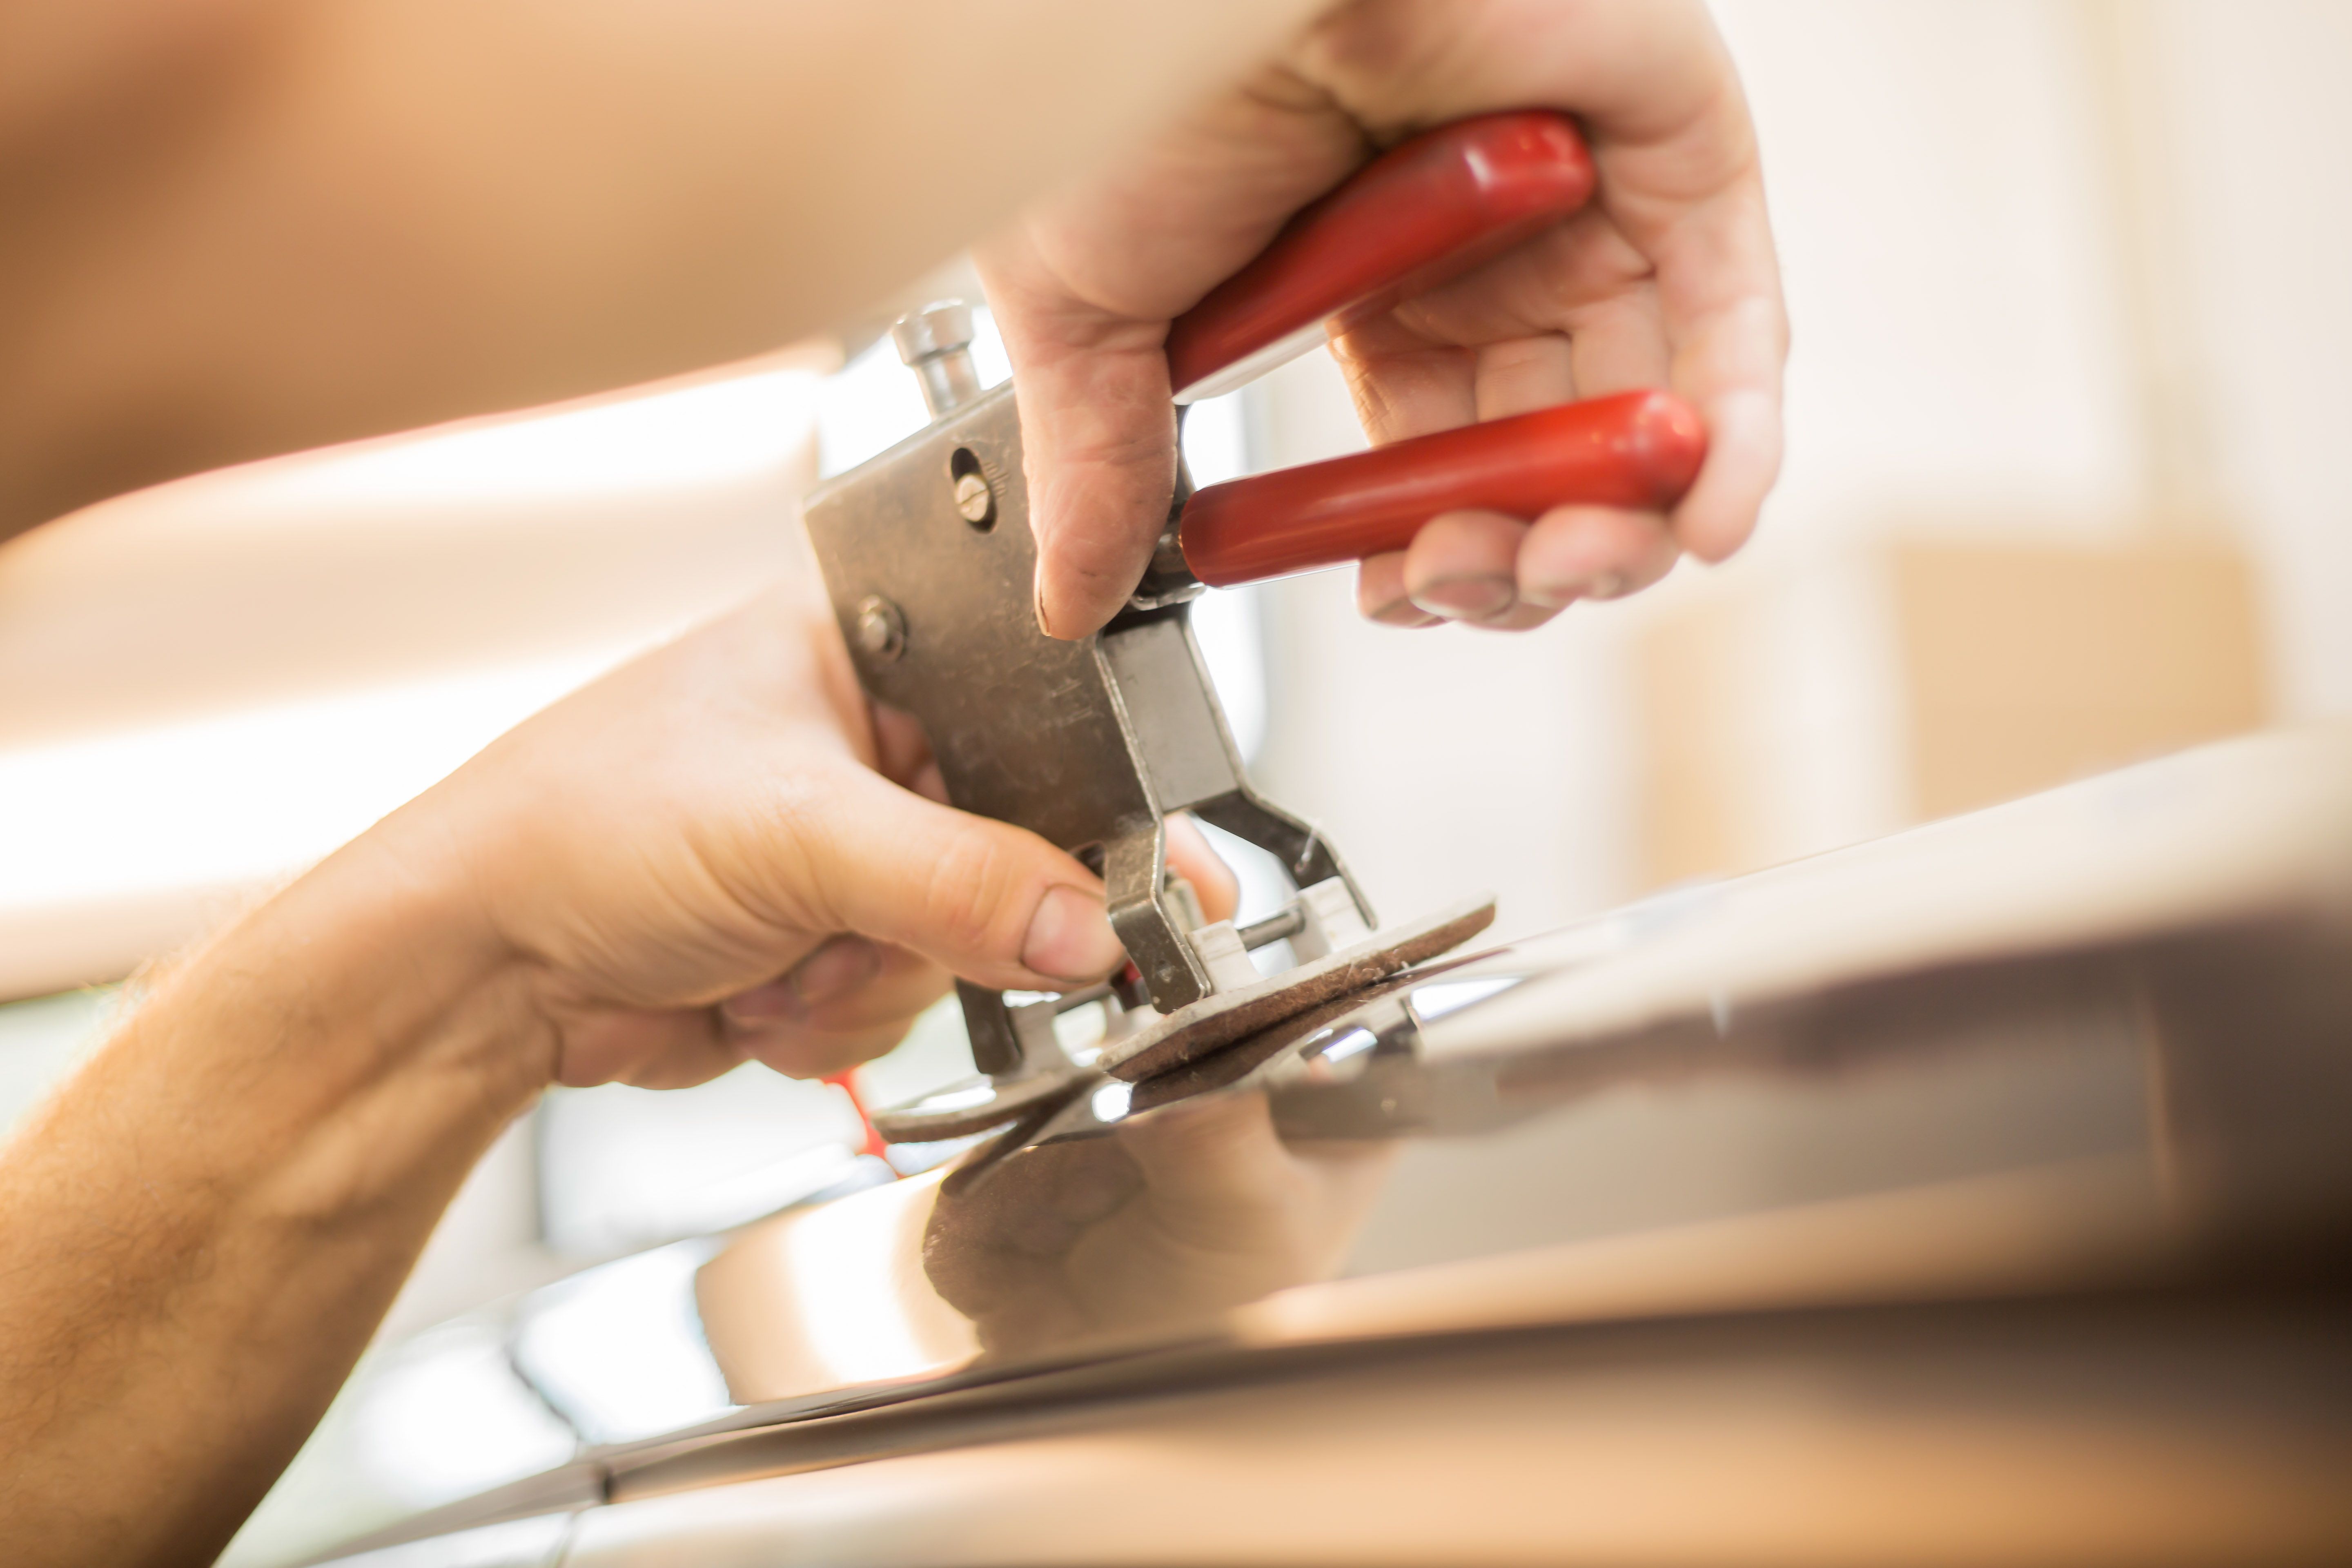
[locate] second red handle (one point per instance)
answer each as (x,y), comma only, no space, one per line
(1639,449)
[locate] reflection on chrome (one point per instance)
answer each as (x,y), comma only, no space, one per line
(448,1417)
(1177,1216)
(1150,1222)
(962,1099)
(517,1543)
(2072,1067)
(1439,997)
(564,1344)
(830,1297)
(855,1322)
(1352,1043)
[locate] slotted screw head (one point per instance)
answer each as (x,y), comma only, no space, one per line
(881,629)
(973,498)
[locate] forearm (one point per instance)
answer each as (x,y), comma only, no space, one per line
(200,1232)
(204,1228)
(328,221)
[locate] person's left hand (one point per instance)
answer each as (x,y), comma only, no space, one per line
(720,852)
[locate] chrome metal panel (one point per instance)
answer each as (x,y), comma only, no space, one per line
(2109,1429)
(2091,1047)
(535,1543)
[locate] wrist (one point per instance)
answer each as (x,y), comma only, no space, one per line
(400,925)
(253,1160)
(367,1022)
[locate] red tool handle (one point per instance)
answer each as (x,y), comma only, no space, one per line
(1635,449)
(1418,214)
(1424,211)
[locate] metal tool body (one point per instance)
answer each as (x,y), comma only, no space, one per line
(1089,743)
(929,558)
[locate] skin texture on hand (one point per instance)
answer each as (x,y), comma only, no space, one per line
(1667,278)
(230,228)
(800,904)
(205,1225)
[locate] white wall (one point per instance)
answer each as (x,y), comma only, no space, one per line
(1440,763)
(1936,191)
(2261,124)
(1951,183)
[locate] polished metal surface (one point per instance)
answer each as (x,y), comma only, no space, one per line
(2111,1429)
(1980,1193)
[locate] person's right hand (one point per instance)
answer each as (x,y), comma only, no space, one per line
(1666,278)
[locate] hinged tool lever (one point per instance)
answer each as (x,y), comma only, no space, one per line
(1417,217)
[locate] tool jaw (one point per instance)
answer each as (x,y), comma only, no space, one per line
(929,562)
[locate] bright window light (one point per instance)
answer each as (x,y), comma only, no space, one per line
(1439,997)
(1111,1101)
(565,1340)
(874,401)
(709,432)
(42,1040)
(1216,438)
(447,1416)
(242,798)
(1355,1042)
(115,843)
(845,1284)
(621,1168)
(1228,622)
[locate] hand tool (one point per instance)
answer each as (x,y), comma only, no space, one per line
(928,556)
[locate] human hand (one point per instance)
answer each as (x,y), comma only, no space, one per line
(1666,278)
(720,852)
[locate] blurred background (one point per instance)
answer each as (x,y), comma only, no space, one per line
(2069,286)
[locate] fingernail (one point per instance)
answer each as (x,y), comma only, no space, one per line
(1467,598)
(1403,613)
(1566,591)
(1070,937)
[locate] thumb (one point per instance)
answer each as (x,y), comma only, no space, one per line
(1098,436)
(992,902)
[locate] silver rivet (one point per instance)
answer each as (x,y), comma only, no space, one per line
(974,498)
(881,629)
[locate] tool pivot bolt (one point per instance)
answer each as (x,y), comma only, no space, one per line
(974,498)
(881,629)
